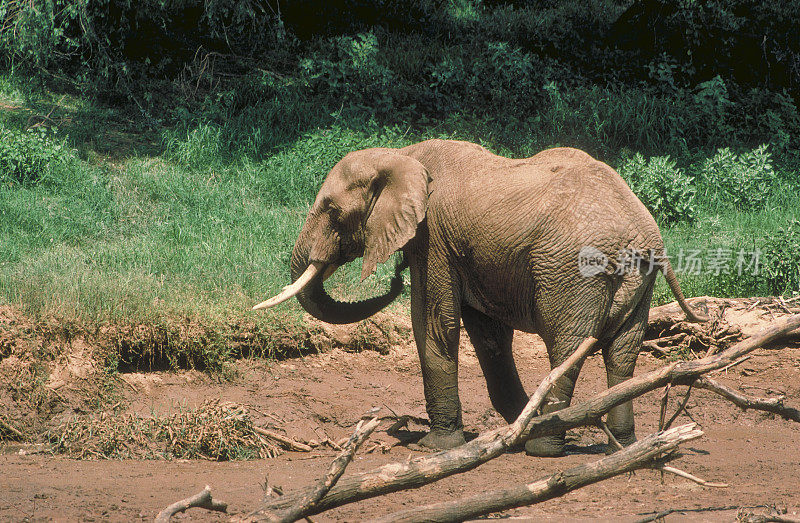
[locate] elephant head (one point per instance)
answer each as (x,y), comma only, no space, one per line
(369,206)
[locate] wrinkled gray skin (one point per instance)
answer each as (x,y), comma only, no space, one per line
(492,242)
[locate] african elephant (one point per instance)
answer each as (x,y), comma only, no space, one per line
(494,243)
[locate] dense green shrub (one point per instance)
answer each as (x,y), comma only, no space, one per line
(29,156)
(664,189)
(41,34)
(601,75)
(743,181)
(780,260)
(349,68)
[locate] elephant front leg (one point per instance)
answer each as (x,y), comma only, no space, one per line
(436,321)
(436,324)
(439,358)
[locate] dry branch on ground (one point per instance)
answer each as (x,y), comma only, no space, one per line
(307,504)
(643,453)
(202,499)
(427,469)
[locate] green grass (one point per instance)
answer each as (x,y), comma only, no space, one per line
(197,225)
(183,234)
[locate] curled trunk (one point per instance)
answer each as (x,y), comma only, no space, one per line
(317,302)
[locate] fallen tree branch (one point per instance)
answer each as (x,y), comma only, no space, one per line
(200,500)
(640,454)
(427,469)
(288,443)
(661,466)
(744,402)
(6,426)
(308,502)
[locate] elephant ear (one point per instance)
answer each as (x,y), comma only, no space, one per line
(400,194)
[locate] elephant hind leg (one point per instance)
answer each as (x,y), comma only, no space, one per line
(558,398)
(492,342)
(620,356)
(568,317)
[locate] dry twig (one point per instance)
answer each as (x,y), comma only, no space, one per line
(660,466)
(774,405)
(306,505)
(202,499)
(290,444)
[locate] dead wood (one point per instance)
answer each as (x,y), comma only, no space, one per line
(661,466)
(427,469)
(308,502)
(640,454)
(743,401)
(288,443)
(6,426)
(200,500)
(669,332)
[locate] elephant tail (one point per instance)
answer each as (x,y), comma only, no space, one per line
(675,287)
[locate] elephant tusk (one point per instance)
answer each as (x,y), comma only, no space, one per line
(294,289)
(329,270)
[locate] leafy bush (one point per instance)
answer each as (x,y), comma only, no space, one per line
(38,33)
(350,67)
(780,265)
(30,156)
(664,189)
(743,181)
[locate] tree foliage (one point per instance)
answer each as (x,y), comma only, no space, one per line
(658,76)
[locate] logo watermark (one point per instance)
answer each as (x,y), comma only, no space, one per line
(591,261)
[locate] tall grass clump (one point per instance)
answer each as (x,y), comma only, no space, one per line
(48,197)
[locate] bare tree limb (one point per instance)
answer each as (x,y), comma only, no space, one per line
(427,469)
(640,454)
(660,466)
(418,472)
(200,500)
(306,505)
(774,405)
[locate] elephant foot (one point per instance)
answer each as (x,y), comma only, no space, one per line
(546,447)
(624,440)
(442,440)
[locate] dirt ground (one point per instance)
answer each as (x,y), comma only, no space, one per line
(322,396)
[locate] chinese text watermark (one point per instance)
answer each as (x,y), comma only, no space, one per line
(592,261)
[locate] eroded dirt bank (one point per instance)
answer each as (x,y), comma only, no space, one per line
(321,396)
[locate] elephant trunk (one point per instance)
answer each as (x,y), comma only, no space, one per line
(316,300)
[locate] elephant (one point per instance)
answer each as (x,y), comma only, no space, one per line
(497,244)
